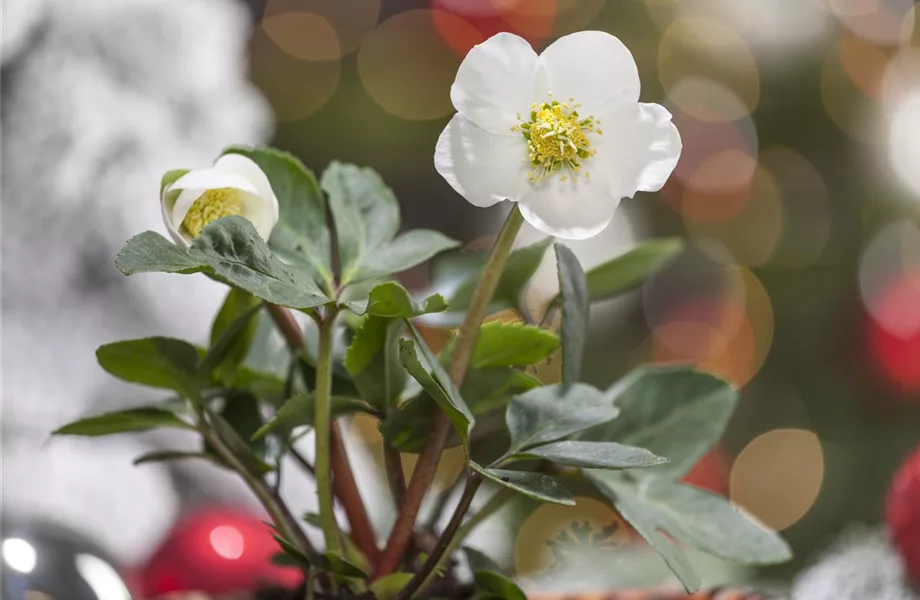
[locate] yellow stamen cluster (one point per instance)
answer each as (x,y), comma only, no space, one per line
(557,138)
(210,206)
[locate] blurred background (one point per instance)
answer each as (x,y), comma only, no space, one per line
(798,192)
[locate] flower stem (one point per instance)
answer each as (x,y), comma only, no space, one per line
(460,358)
(396,478)
(279,512)
(323,431)
(343,479)
(453,536)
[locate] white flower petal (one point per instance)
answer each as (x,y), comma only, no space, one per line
(242,165)
(183,203)
(594,68)
(483,167)
(260,212)
(497,80)
(167,203)
(574,209)
(210,179)
(638,151)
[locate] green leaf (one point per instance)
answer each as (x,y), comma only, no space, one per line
(365,210)
(123,421)
(554,412)
(406,251)
(503,344)
(479,561)
(333,563)
(387,588)
(291,550)
(150,252)
(520,268)
(241,448)
(643,521)
(158,362)
(159,456)
(170,177)
(597,455)
(629,270)
(301,232)
(298,411)
(673,411)
(372,360)
(700,519)
(425,367)
(391,300)
(231,334)
(238,255)
(533,485)
(575,306)
(483,391)
(490,583)
(491,388)
(241,412)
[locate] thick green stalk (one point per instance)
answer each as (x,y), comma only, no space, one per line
(440,429)
(323,432)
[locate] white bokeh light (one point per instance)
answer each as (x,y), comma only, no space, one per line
(904,143)
(19,555)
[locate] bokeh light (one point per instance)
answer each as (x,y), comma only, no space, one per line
(878,21)
(751,234)
(887,273)
(712,180)
(531,19)
(407,67)
(778,476)
(846,104)
(904,142)
(703,46)
(532,548)
(295,88)
(725,327)
(303,35)
(807,222)
(897,353)
(303,27)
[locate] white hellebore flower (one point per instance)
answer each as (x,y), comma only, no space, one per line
(235,185)
(563,134)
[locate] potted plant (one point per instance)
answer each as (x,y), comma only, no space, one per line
(563,137)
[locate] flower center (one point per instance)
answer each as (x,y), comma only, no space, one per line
(210,206)
(557,138)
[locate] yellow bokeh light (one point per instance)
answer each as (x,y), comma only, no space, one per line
(295,88)
(408,68)
(707,100)
(532,552)
(699,46)
(350,22)
(778,476)
(303,35)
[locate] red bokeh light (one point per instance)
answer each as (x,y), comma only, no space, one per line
(217,551)
(710,473)
(531,19)
(896,354)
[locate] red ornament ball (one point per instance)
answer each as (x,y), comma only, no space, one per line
(903,514)
(215,551)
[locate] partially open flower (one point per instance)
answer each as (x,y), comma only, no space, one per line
(235,185)
(562,134)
